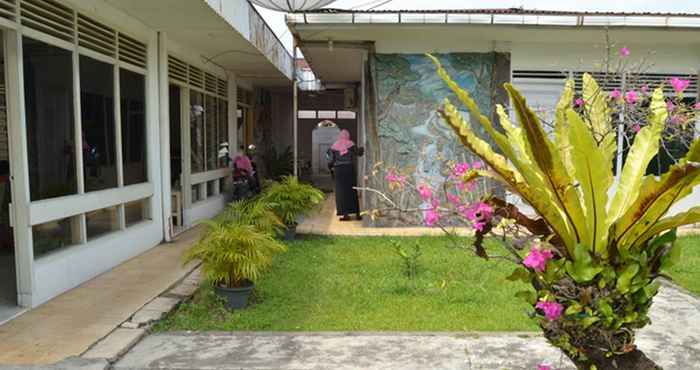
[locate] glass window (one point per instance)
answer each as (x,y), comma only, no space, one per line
(197,131)
(307,114)
(211,114)
(223,133)
(196,194)
(326,114)
(101,222)
(240,130)
(343,114)
(55,235)
(223,187)
(133,118)
(175,145)
(137,211)
(97,116)
(211,188)
(48,95)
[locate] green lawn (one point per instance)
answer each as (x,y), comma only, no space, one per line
(339,284)
(687,272)
(357,284)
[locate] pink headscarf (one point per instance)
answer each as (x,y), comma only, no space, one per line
(242,162)
(343,144)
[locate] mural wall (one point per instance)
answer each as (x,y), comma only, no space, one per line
(412,137)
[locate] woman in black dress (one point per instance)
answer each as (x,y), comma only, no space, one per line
(342,160)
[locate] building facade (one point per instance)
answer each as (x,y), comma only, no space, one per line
(116,117)
(382,52)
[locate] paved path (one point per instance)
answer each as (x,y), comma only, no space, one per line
(673,340)
(69,324)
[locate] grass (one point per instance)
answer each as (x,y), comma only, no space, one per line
(687,272)
(357,284)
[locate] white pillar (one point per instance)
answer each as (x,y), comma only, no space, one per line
(295,110)
(164,117)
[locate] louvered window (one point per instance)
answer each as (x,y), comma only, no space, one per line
(177,69)
(222,88)
(96,36)
(7,9)
(196,77)
(210,83)
(132,51)
(48,16)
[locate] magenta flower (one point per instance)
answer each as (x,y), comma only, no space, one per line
(552,310)
(479,214)
(579,102)
(477,165)
(454,199)
(615,94)
(625,52)
(645,89)
(395,179)
(425,192)
(679,84)
(631,97)
(460,170)
(431,217)
(677,119)
(544,367)
(636,128)
(537,258)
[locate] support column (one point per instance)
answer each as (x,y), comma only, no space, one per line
(164,118)
(19,210)
(295,110)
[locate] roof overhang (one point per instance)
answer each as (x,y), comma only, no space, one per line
(230,34)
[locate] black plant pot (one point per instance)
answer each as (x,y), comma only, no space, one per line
(290,233)
(235,298)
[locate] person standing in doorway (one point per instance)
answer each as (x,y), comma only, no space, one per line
(342,161)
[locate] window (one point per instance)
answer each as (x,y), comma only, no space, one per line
(55,235)
(196,193)
(223,133)
(211,115)
(326,114)
(342,114)
(48,92)
(101,222)
(97,117)
(133,127)
(138,211)
(197,131)
(306,114)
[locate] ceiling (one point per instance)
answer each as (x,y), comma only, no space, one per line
(336,65)
(194,24)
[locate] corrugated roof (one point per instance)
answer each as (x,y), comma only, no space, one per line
(509,11)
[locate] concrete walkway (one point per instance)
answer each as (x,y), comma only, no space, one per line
(673,340)
(69,324)
(325,222)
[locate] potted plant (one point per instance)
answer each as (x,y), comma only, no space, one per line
(290,199)
(237,248)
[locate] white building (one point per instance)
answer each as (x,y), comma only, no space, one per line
(112,116)
(381,52)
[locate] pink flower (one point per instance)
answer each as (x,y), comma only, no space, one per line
(454,199)
(477,165)
(431,217)
(537,258)
(460,170)
(625,52)
(697,106)
(670,106)
(677,119)
(631,97)
(636,128)
(425,192)
(645,89)
(544,367)
(615,94)
(479,215)
(579,102)
(395,179)
(679,84)
(552,310)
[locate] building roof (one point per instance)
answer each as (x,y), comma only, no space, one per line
(497,16)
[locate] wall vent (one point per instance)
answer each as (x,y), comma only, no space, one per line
(96,36)
(196,77)
(48,16)
(222,88)
(8,9)
(132,51)
(210,83)
(177,69)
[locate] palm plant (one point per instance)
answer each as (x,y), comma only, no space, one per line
(290,199)
(239,245)
(604,243)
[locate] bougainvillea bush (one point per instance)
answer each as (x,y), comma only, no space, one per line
(594,245)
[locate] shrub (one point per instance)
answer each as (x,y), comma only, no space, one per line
(290,199)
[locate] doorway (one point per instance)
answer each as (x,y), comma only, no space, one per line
(176,159)
(8,270)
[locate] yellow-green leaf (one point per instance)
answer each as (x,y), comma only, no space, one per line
(688,217)
(597,107)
